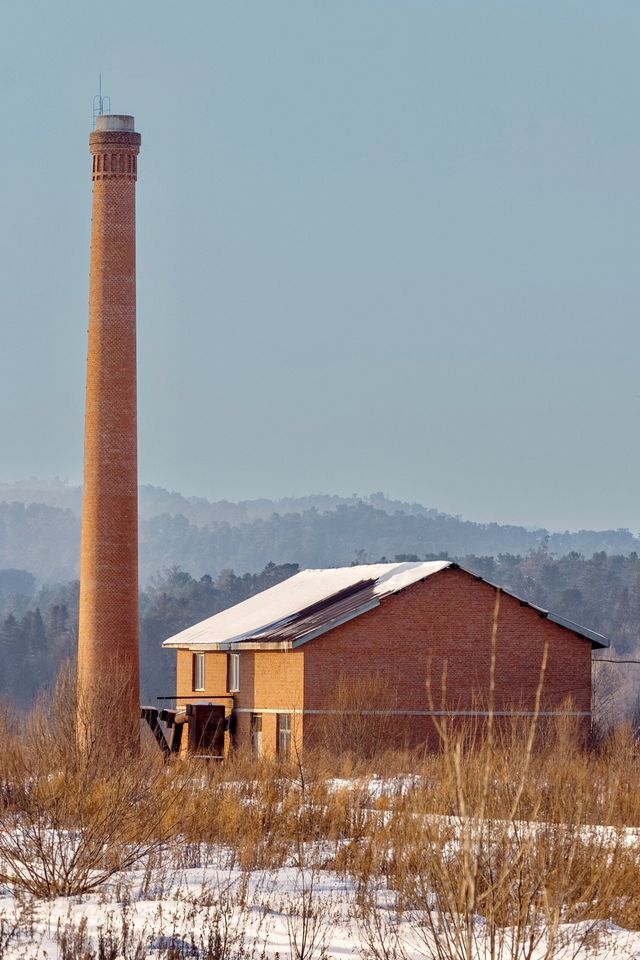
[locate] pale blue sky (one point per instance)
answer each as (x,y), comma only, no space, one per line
(383,245)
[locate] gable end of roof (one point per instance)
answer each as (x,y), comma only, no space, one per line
(597,640)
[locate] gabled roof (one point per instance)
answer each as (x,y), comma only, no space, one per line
(313,602)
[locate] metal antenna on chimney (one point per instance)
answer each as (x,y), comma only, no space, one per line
(100,104)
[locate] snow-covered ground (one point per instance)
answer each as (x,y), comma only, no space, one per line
(210,903)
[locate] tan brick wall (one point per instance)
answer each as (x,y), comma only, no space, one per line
(279,680)
(215,684)
(268,681)
(244,699)
(215,675)
(278,686)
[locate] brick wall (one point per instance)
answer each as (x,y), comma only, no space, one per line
(215,685)
(269,681)
(445,623)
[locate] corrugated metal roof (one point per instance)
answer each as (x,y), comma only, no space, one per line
(320,617)
(596,638)
(313,602)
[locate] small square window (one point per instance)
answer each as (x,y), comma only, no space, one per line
(198,671)
(233,672)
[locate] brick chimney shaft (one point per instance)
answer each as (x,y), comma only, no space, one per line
(108,649)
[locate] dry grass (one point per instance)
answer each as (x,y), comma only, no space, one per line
(71,818)
(494,843)
(526,834)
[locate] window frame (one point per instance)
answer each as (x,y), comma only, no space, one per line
(199,672)
(233,673)
(284,731)
(256,734)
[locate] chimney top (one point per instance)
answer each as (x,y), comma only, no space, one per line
(115,122)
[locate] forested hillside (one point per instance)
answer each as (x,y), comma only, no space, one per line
(199,510)
(38,627)
(188,546)
(203,537)
(39,630)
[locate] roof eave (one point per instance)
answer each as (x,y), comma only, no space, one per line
(597,640)
(213,646)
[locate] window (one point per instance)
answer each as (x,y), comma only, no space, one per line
(198,671)
(256,734)
(233,672)
(284,735)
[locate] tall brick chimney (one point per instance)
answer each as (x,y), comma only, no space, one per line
(108,654)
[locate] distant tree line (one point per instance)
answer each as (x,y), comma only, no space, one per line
(45,539)
(38,627)
(200,511)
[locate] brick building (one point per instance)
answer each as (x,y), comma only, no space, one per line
(330,649)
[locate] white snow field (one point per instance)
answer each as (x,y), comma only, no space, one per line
(211,908)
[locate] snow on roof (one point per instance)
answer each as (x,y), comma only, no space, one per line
(309,603)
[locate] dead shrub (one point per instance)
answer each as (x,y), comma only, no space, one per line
(359,722)
(71,819)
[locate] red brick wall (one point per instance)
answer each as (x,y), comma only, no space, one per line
(447,619)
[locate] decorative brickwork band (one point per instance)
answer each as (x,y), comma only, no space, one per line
(115,154)
(108,657)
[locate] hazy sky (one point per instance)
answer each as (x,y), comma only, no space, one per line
(382,245)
